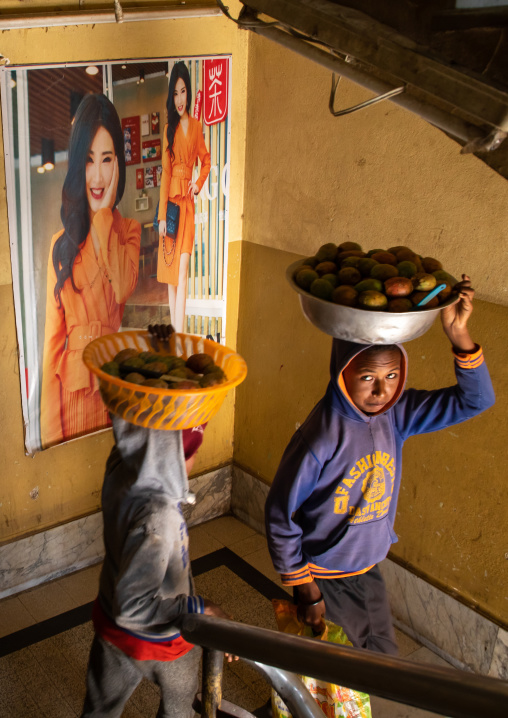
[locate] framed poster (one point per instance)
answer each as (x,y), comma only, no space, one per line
(151,150)
(65,293)
(150,177)
(155,123)
(145,126)
(131,140)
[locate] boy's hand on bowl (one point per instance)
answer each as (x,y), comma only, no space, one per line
(456,316)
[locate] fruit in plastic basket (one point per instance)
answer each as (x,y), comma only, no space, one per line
(125,354)
(132,362)
(346,295)
(135,378)
(321,288)
(158,367)
(172,362)
(372,299)
(212,379)
(400,304)
(157,383)
(150,357)
(383,272)
(198,362)
(423,282)
(398,287)
(111,367)
(349,275)
(185,385)
(214,369)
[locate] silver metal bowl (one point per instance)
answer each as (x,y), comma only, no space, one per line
(362,325)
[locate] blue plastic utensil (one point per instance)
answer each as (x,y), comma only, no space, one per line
(431,295)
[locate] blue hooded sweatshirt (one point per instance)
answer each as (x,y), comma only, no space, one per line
(331,508)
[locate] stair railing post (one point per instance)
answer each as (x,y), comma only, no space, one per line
(212,682)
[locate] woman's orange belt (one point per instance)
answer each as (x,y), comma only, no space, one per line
(82,334)
(181,172)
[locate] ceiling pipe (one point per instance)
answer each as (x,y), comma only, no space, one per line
(441,119)
(22,22)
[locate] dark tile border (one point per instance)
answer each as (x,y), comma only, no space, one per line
(77,616)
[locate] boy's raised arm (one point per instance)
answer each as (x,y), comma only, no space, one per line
(455,317)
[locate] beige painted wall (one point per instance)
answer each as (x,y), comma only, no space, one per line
(63,483)
(381,177)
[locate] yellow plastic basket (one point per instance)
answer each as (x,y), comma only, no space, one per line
(155,408)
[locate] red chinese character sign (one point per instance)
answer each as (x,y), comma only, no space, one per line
(216,90)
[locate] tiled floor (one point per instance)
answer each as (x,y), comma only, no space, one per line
(43,675)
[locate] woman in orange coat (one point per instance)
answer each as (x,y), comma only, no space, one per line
(183,143)
(92,270)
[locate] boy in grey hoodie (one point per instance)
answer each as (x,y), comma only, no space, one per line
(146,582)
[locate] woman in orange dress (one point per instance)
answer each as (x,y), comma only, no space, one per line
(92,270)
(183,143)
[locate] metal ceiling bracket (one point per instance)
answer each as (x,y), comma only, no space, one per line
(361,105)
(118,11)
(485,144)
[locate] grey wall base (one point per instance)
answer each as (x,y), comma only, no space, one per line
(64,549)
(458,634)
(455,632)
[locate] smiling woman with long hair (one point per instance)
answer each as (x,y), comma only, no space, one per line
(183,144)
(92,270)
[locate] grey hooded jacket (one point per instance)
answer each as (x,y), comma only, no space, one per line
(146,582)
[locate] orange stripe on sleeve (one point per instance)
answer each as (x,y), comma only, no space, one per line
(469,361)
(295,578)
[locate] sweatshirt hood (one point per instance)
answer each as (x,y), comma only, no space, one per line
(152,459)
(343,352)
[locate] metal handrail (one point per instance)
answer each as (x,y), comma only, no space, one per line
(445,691)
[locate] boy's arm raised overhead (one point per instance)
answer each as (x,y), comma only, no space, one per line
(455,317)
(420,412)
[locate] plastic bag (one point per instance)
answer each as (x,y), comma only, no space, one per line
(335,701)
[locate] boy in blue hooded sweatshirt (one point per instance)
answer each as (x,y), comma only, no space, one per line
(332,505)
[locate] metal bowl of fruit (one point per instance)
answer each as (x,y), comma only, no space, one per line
(361,324)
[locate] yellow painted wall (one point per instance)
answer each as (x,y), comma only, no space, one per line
(63,483)
(381,177)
